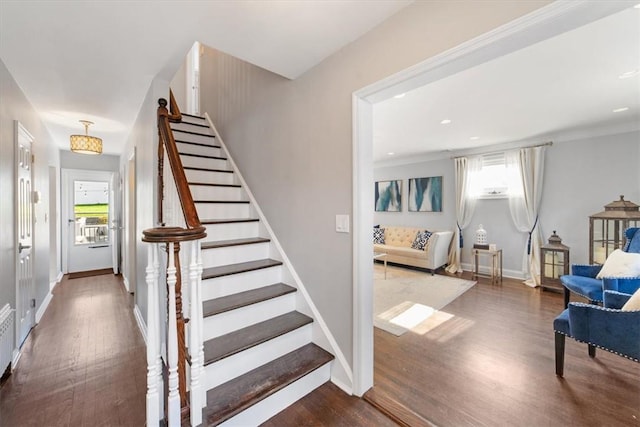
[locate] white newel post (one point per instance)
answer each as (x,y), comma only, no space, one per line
(195,326)
(154,368)
(173,405)
(201,322)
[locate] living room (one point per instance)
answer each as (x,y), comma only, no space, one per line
(588,164)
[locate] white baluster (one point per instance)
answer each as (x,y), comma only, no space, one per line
(195,324)
(200,319)
(173,416)
(158,305)
(153,354)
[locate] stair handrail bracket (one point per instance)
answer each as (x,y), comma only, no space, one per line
(183,355)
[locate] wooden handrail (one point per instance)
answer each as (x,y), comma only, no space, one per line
(170,237)
(166,138)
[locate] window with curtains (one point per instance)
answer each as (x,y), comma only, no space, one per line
(492,180)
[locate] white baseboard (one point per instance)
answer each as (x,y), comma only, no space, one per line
(16,357)
(140,321)
(59,277)
(43,306)
(512,274)
(126,283)
(347,389)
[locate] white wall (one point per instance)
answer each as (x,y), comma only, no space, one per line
(103,162)
(15,106)
(293,139)
(581,176)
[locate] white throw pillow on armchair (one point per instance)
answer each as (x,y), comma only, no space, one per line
(620,264)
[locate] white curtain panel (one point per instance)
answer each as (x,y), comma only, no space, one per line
(466,196)
(526,171)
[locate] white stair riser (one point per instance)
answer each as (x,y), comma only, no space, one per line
(199,149)
(232,320)
(222,210)
(209,177)
(189,126)
(241,363)
(277,402)
(234,283)
(189,137)
(204,192)
(234,254)
(232,230)
(189,119)
(204,162)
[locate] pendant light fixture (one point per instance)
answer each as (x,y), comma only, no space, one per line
(85,144)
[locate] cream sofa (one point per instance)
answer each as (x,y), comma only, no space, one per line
(398,242)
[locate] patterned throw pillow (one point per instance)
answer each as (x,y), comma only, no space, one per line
(378,235)
(421,240)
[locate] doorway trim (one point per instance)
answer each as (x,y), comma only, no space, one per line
(544,23)
(66,182)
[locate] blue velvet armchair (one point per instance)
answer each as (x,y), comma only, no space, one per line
(606,327)
(583,281)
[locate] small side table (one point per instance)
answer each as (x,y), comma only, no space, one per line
(382,256)
(496,264)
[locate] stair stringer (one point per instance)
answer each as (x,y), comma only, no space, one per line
(341,373)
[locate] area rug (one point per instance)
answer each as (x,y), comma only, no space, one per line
(413,303)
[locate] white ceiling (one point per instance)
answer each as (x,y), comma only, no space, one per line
(566,83)
(95,59)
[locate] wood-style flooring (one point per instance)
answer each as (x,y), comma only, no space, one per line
(492,364)
(84,364)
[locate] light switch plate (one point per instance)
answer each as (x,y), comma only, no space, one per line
(342,223)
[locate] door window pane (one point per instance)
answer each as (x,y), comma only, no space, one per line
(91,208)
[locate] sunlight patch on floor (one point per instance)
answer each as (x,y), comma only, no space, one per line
(417,318)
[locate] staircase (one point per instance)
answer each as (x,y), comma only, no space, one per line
(258,351)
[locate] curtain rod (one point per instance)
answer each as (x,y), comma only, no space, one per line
(550,143)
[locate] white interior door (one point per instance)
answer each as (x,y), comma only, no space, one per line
(89,209)
(25,303)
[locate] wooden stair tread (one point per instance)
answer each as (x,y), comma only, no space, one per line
(195,117)
(208,184)
(243,299)
(231,398)
(234,242)
(201,144)
(226,270)
(228,220)
(234,342)
(208,135)
(202,156)
(193,124)
(206,169)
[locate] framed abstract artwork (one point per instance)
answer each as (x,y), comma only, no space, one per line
(388,196)
(425,194)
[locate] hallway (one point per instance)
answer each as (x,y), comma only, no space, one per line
(84,364)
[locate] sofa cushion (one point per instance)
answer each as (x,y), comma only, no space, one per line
(633,303)
(633,240)
(420,241)
(400,251)
(400,236)
(585,286)
(378,235)
(620,264)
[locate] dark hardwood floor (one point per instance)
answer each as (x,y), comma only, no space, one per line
(492,364)
(84,364)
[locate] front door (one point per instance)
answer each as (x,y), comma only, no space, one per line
(25,304)
(88,201)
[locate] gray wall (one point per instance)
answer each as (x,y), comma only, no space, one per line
(581,176)
(15,106)
(292,140)
(144,140)
(103,162)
